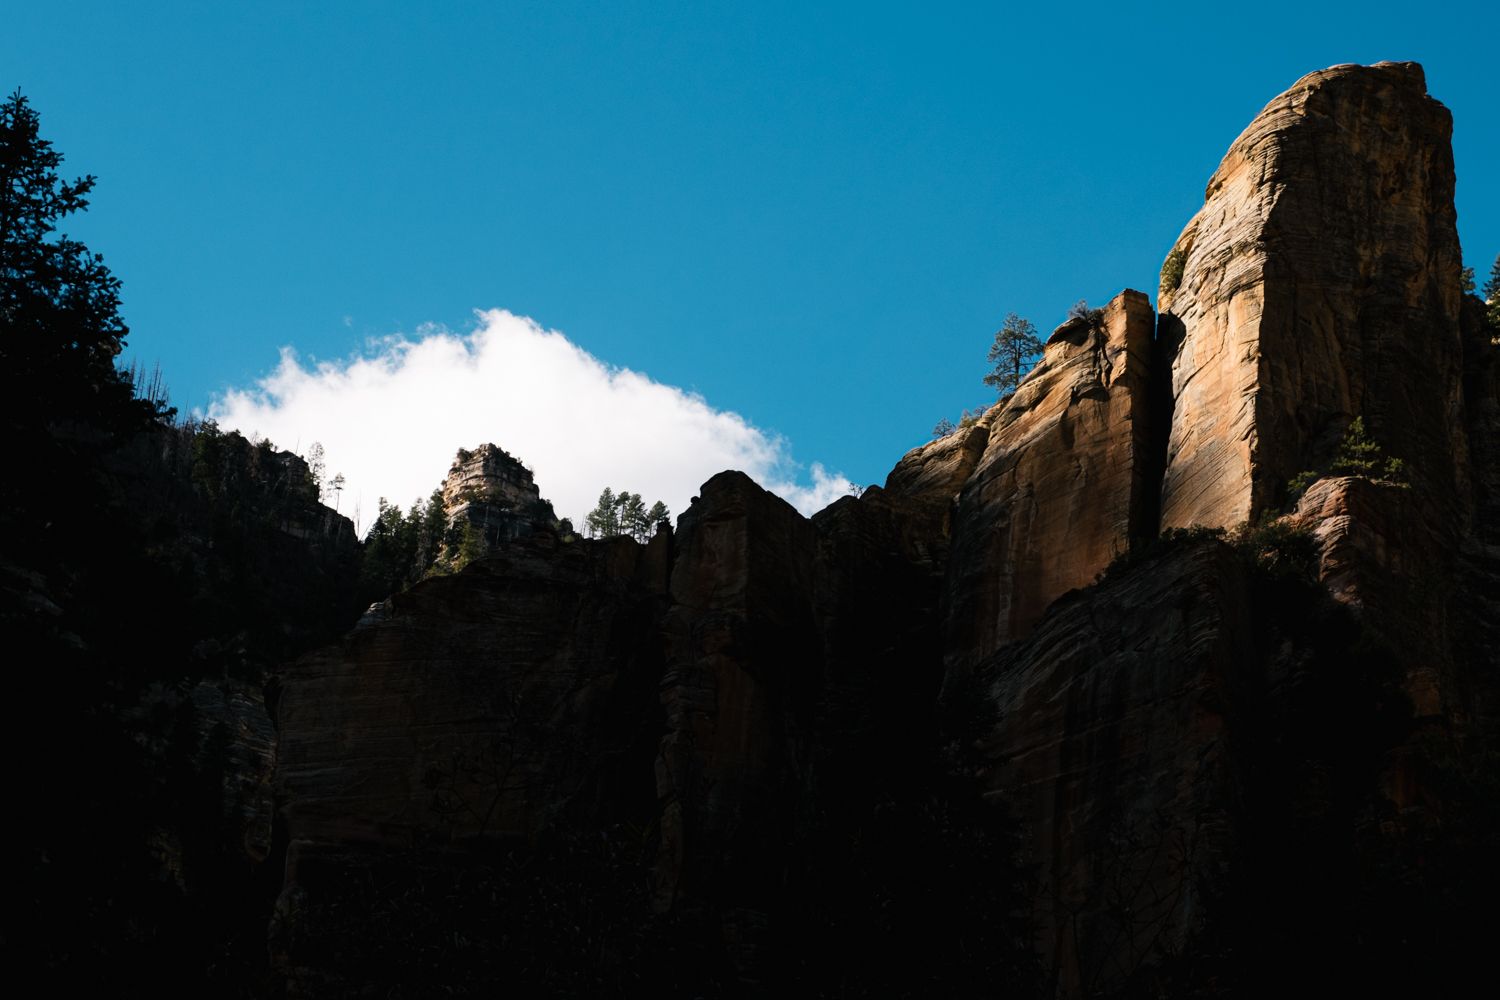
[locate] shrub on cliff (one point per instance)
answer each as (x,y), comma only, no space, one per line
(968,418)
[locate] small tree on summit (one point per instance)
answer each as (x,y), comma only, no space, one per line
(625,513)
(1013,353)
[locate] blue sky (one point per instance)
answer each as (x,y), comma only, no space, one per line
(813,215)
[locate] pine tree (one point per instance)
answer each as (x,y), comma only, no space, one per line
(657,514)
(633,517)
(1360,455)
(62,399)
(1013,353)
(1492,295)
(603,521)
(624,513)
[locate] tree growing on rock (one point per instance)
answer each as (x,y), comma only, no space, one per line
(968,418)
(1013,354)
(625,513)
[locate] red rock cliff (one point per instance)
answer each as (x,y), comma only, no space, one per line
(1319,283)
(1061,486)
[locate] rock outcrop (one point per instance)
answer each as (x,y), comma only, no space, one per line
(493,493)
(1319,283)
(454,702)
(1062,485)
(742,659)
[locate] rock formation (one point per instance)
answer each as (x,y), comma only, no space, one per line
(1217,713)
(532,668)
(1318,283)
(1116,714)
(492,492)
(1062,485)
(742,656)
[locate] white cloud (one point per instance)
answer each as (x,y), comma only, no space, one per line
(392,421)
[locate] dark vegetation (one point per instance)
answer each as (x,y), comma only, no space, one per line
(401,550)
(140,559)
(625,513)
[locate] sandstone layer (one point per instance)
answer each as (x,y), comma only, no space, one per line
(1115,717)
(1062,485)
(452,706)
(742,657)
(492,492)
(1318,283)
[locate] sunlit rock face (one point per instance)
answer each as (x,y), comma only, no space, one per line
(1318,283)
(492,491)
(1062,484)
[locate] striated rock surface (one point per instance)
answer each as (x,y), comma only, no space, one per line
(1116,713)
(1062,485)
(491,491)
(233,717)
(742,665)
(1375,556)
(1318,283)
(515,695)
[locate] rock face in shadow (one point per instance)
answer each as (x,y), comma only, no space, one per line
(514,695)
(742,663)
(1319,283)
(1062,485)
(1116,716)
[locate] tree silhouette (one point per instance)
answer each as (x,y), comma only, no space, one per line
(1013,353)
